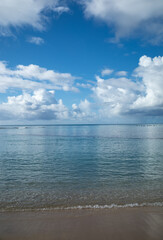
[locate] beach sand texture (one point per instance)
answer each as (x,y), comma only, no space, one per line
(115,224)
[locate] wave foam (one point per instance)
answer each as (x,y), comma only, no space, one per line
(96,206)
(128,205)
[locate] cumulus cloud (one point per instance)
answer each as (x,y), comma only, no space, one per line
(41,105)
(83,111)
(34,77)
(17,13)
(129,17)
(36,40)
(116,94)
(151,72)
(140,94)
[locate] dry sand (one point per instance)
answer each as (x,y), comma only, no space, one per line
(114,224)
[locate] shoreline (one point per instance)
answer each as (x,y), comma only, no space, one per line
(135,223)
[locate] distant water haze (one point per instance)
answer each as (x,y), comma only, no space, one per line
(80,166)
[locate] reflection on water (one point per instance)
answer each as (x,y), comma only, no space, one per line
(80,165)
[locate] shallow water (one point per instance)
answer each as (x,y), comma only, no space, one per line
(80,165)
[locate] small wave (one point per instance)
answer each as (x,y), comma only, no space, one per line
(82,207)
(128,205)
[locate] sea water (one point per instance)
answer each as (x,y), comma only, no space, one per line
(80,166)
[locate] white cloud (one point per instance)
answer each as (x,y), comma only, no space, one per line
(115,94)
(41,105)
(129,17)
(17,13)
(151,72)
(83,111)
(83,85)
(61,9)
(36,40)
(106,72)
(121,73)
(34,77)
(85,106)
(142,94)
(119,96)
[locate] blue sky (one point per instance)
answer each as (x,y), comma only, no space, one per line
(90,61)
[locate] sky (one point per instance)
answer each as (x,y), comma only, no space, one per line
(81,61)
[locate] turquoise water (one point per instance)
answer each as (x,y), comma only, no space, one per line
(80,166)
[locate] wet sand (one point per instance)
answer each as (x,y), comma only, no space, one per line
(114,224)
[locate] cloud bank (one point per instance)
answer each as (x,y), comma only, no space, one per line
(42,105)
(139,95)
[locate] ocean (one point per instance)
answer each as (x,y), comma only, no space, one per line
(80,166)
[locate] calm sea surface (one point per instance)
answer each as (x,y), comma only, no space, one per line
(80,165)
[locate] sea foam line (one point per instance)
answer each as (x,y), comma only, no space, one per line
(128,205)
(96,206)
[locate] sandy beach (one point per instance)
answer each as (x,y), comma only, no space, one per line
(129,223)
